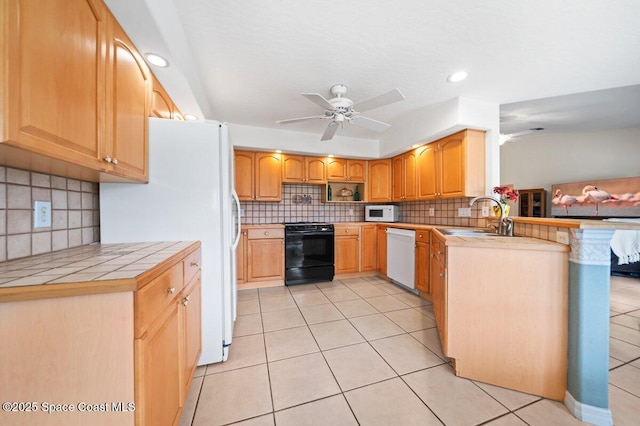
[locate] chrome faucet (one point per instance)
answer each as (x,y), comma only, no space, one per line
(505,225)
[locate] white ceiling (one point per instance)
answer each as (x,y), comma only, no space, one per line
(247,62)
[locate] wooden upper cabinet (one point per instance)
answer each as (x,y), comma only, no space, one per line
(258,176)
(379,180)
(75,95)
(128,88)
(52,91)
(299,169)
(404,176)
(161,103)
(268,178)
(340,169)
(244,175)
(357,170)
(452,167)
(427,171)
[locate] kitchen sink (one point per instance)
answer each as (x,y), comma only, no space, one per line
(468,232)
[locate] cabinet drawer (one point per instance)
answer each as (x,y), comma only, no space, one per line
(346,230)
(155,296)
(191,265)
(265,233)
(422,236)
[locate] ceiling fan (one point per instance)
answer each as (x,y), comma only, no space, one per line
(340,109)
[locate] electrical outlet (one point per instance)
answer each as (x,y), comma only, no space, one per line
(241,212)
(485,211)
(562,237)
(350,212)
(432,211)
(464,212)
(42,214)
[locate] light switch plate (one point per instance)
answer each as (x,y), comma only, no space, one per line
(464,212)
(432,211)
(42,214)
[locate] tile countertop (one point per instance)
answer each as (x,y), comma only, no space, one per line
(90,269)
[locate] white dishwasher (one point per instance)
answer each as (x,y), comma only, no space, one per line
(401,255)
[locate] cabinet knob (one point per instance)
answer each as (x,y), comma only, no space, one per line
(185,301)
(441,274)
(108,159)
(115,161)
(266,232)
(196,264)
(171,290)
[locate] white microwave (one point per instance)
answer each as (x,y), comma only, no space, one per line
(381,213)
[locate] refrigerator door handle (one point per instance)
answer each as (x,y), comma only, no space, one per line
(237,201)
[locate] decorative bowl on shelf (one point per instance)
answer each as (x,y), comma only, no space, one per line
(345,193)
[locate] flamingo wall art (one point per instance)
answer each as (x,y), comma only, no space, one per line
(603,198)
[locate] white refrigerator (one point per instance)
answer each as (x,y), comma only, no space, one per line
(190,196)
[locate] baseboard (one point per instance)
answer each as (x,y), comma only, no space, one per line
(588,413)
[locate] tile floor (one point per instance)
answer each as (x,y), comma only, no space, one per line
(363,351)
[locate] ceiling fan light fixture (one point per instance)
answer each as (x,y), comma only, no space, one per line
(457,76)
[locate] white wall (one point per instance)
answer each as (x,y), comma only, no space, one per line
(542,160)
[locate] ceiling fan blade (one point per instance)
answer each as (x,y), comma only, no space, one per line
(330,131)
(319,100)
(377,101)
(370,123)
(295,120)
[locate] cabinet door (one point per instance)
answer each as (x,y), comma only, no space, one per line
(268,176)
(158,372)
(128,88)
(244,172)
(161,103)
(380,180)
(336,169)
(265,259)
(422,266)
(397,179)
(427,171)
(190,308)
(356,170)
(451,151)
(241,258)
(316,168)
(382,249)
(410,174)
(53,79)
(293,168)
(346,254)
(368,248)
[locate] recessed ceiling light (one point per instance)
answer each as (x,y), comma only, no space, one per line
(156,60)
(190,117)
(278,151)
(457,76)
(415,145)
(330,155)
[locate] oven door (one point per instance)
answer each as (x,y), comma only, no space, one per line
(308,256)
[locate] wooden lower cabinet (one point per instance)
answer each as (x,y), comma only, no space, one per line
(422,261)
(158,385)
(438,286)
(368,248)
(265,254)
(382,249)
(167,345)
(241,258)
(347,249)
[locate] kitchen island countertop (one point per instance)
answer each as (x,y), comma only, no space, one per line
(89,269)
